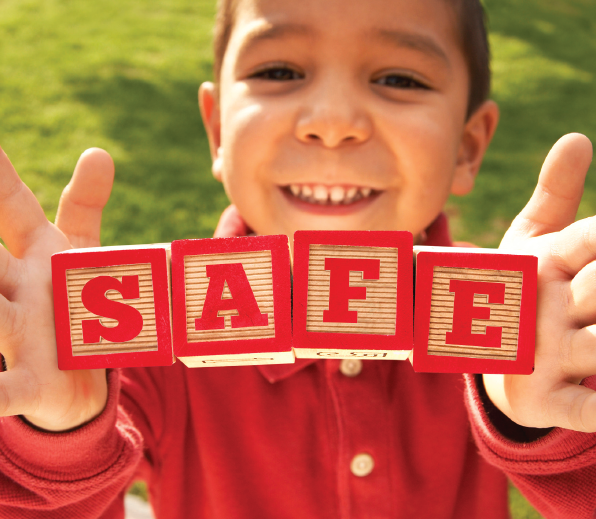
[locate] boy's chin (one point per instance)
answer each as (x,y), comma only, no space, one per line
(323,223)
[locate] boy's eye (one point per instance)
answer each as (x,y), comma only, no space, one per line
(400,81)
(278,74)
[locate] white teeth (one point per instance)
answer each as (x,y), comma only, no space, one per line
(351,192)
(324,195)
(337,194)
(320,193)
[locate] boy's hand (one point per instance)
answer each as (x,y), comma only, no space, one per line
(566,313)
(33,385)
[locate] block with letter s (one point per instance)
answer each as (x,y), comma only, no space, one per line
(112,307)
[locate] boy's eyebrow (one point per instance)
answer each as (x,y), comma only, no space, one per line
(267,31)
(412,41)
(262,31)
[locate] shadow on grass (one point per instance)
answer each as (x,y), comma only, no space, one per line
(545,84)
(164,189)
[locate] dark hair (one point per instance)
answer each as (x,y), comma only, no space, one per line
(472,33)
(474,44)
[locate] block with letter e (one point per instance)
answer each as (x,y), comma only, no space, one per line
(353,294)
(232,301)
(112,307)
(475,311)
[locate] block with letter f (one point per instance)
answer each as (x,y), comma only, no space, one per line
(353,294)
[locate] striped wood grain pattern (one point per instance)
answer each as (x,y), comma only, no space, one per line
(376,313)
(76,279)
(258,268)
(505,315)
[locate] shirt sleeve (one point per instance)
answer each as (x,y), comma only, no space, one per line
(77,474)
(554,468)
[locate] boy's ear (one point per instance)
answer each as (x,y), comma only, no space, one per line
(478,132)
(209,105)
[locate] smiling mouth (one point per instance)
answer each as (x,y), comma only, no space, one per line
(319,194)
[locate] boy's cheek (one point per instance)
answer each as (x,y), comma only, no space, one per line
(413,153)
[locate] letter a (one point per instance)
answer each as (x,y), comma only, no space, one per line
(243,299)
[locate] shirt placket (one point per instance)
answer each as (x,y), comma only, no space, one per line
(361,411)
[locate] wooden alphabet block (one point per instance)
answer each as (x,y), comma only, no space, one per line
(353,294)
(475,311)
(112,307)
(232,301)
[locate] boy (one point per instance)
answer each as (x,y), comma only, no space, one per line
(327,114)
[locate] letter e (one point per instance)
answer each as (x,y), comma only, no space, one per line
(464,312)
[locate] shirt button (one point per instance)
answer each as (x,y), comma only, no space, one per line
(350,367)
(362,465)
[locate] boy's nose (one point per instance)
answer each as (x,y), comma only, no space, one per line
(333,117)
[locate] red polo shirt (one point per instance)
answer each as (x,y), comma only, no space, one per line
(316,439)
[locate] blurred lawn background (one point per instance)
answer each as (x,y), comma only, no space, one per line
(123,75)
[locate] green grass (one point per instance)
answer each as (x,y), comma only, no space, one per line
(123,75)
(520,508)
(139,489)
(544,80)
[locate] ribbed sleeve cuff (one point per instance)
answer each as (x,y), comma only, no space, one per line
(510,446)
(85,452)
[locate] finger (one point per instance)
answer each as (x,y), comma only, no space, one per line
(231,224)
(573,407)
(10,397)
(577,354)
(580,295)
(17,393)
(574,247)
(8,326)
(9,273)
(21,216)
(555,201)
(83,199)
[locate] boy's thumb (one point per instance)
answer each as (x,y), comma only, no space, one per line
(555,200)
(83,199)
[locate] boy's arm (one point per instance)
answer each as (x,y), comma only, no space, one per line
(32,385)
(554,468)
(76,474)
(566,312)
(45,472)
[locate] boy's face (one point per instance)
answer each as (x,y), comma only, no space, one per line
(344,115)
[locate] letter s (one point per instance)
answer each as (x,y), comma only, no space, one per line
(130,320)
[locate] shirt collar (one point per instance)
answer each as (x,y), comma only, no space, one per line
(436,234)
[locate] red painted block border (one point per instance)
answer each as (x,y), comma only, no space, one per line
(280,263)
(443,257)
(157,257)
(403,338)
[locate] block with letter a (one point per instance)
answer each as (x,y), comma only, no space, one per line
(232,301)
(112,307)
(475,311)
(353,294)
